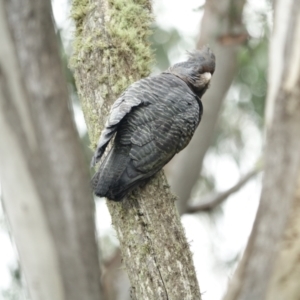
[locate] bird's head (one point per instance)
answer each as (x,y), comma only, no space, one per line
(197,70)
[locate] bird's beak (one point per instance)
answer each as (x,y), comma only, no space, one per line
(204,80)
(206,77)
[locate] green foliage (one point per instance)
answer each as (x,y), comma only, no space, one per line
(253,63)
(162,41)
(245,103)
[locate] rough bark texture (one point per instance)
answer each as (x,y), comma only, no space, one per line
(112,51)
(253,279)
(116,285)
(286,273)
(284,283)
(43,172)
(222,29)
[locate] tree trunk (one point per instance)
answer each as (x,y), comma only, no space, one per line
(284,282)
(223,30)
(286,273)
(43,172)
(112,51)
(256,277)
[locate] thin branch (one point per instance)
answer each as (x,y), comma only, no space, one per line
(212,201)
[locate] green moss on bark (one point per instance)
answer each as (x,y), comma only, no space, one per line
(78,13)
(115,34)
(125,41)
(129,29)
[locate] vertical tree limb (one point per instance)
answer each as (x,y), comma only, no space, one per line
(285,279)
(112,51)
(43,173)
(282,162)
(284,282)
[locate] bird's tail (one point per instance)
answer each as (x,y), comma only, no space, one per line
(112,180)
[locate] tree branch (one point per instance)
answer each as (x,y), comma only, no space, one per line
(112,51)
(212,201)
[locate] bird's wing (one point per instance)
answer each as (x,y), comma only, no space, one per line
(121,107)
(163,128)
(153,146)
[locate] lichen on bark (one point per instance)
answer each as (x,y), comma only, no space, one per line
(115,35)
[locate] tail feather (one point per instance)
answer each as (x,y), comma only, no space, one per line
(116,175)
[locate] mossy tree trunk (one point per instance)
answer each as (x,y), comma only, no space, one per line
(112,51)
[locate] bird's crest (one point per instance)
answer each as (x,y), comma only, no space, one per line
(205,57)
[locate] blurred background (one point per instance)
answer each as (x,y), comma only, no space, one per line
(217,178)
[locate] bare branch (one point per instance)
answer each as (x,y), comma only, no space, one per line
(212,201)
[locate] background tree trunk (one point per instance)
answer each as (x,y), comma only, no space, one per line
(256,277)
(222,29)
(112,51)
(284,282)
(43,172)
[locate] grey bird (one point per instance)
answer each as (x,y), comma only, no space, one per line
(149,123)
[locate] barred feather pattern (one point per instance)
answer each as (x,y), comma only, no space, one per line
(153,119)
